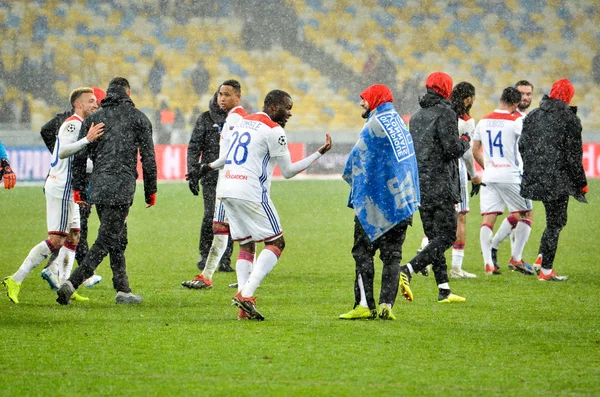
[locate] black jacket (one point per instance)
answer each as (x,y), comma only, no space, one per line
(115,154)
(205,139)
(50,129)
(438,147)
(552,152)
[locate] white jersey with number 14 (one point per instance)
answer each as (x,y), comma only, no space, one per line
(499,133)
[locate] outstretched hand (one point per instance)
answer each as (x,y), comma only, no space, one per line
(325,148)
(95,132)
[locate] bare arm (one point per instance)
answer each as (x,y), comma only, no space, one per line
(477,154)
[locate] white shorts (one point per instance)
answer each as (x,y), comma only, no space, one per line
(219,216)
(61,215)
(496,196)
(252,221)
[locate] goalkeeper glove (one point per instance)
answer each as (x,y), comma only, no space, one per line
(6,172)
(151,200)
(475,188)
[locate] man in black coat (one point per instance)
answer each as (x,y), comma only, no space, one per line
(204,146)
(113,182)
(438,147)
(551,147)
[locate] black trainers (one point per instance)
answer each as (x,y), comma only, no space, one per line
(248,305)
(64,293)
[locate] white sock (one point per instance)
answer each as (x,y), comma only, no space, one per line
(546,272)
(265,262)
(444,286)
(507,225)
(35,257)
(243,268)
(410,268)
(522,232)
(363,296)
(65,261)
(485,237)
(217,249)
(424,242)
(458,255)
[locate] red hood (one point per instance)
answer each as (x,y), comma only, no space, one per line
(440,83)
(376,95)
(99,93)
(563,90)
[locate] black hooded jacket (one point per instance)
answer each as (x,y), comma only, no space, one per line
(205,139)
(552,152)
(438,147)
(115,154)
(50,129)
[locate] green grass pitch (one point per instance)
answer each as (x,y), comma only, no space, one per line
(514,336)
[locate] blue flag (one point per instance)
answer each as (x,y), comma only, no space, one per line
(382,173)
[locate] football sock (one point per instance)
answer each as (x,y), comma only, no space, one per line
(35,257)
(217,249)
(243,267)
(485,236)
(522,232)
(458,254)
(363,296)
(65,261)
(507,225)
(410,268)
(444,286)
(424,242)
(546,272)
(265,262)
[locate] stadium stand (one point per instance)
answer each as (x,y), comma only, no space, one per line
(48,47)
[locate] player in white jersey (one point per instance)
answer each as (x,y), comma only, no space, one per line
(257,144)
(498,135)
(508,225)
(229,96)
(61,211)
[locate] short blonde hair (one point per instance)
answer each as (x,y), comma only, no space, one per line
(77,92)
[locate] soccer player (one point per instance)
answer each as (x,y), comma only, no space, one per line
(257,144)
(229,100)
(6,171)
(498,134)
(508,225)
(552,167)
(462,98)
(61,212)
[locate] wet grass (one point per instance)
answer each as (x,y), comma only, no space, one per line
(514,336)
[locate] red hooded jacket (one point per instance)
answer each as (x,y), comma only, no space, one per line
(440,83)
(563,90)
(376,95)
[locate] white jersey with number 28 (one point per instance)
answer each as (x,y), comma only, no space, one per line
(255,143)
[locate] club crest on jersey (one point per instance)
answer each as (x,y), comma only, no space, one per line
(71,127)
(282,141)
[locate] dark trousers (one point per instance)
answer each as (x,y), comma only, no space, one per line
(112,239)
(390,253)
(439,225)
(82,246)
(556,219)
(209,194)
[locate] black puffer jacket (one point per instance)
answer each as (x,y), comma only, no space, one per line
(552,152)
(205,139)
(50,129)
(115,154)
(438,147)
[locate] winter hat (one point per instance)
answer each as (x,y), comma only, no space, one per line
(562,90)
(440,82)
(376,95)
(99,93)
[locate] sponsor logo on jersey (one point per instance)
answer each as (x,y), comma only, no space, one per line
(229,175)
